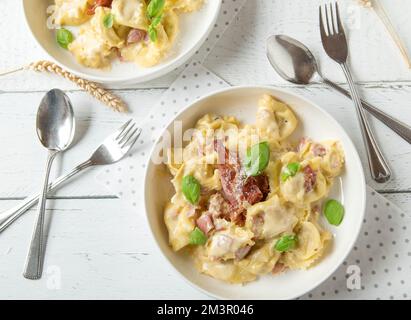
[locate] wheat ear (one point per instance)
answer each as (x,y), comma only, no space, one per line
(93,88)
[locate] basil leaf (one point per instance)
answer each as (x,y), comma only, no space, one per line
(152,32)
(64,37)
(286,243)
(155,7)
(108,20)
(256,159)
(334,212)
(156,21)
(191,189)
(290,171)
(197,237)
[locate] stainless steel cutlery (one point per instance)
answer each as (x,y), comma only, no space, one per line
(295,63)
(55,130)
(335,45)
(114,148)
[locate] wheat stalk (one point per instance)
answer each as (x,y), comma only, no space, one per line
(382,14)
(93,88)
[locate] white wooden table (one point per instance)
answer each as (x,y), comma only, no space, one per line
(100,249)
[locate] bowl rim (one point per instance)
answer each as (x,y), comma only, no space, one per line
(355,155)
(166,69)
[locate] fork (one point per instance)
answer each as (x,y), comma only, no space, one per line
(113,149)
(335,45)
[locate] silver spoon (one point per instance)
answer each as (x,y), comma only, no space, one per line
(294,62)
(55,129)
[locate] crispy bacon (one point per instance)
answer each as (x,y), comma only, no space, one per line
(236,187)
(256,189)
(229,168)
(98,3)
(219,207)
(310,178)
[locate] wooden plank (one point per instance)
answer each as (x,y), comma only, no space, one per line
(240,55)
(96,250)
(241,50)
(23,156)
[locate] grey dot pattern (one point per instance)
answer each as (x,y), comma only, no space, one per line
(382,252)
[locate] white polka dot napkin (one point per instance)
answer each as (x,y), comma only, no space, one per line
(379,266)
(380,263)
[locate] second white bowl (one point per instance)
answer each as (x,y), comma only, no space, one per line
(195,27)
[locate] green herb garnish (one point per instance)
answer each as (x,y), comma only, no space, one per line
(334,212)
(290,171)
(154,14)
(286,243)
(191,189)
(152,33)
(64,37)
(108,20)
(155,8)
(197,237)
(256,159)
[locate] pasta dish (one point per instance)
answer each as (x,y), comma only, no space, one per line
(140,31)
(248,198)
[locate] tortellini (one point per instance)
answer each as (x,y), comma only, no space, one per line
(130,13)
(311,243)
(246,226)
(121,28)
(180,222)
(185,5)
(275,119)
(71,12)
(277,218)
(93,46)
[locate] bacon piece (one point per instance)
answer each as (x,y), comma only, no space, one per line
(257,225)
(256,189)
(98,3)
(205,223)
(118,54)
(229,168)
(319,150)
(278,268)
(237,215)
(219,207)
(136,36)
(242,252)
(310,178)
(236,187)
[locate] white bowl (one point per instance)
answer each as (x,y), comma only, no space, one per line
(195,27)
(349,189)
